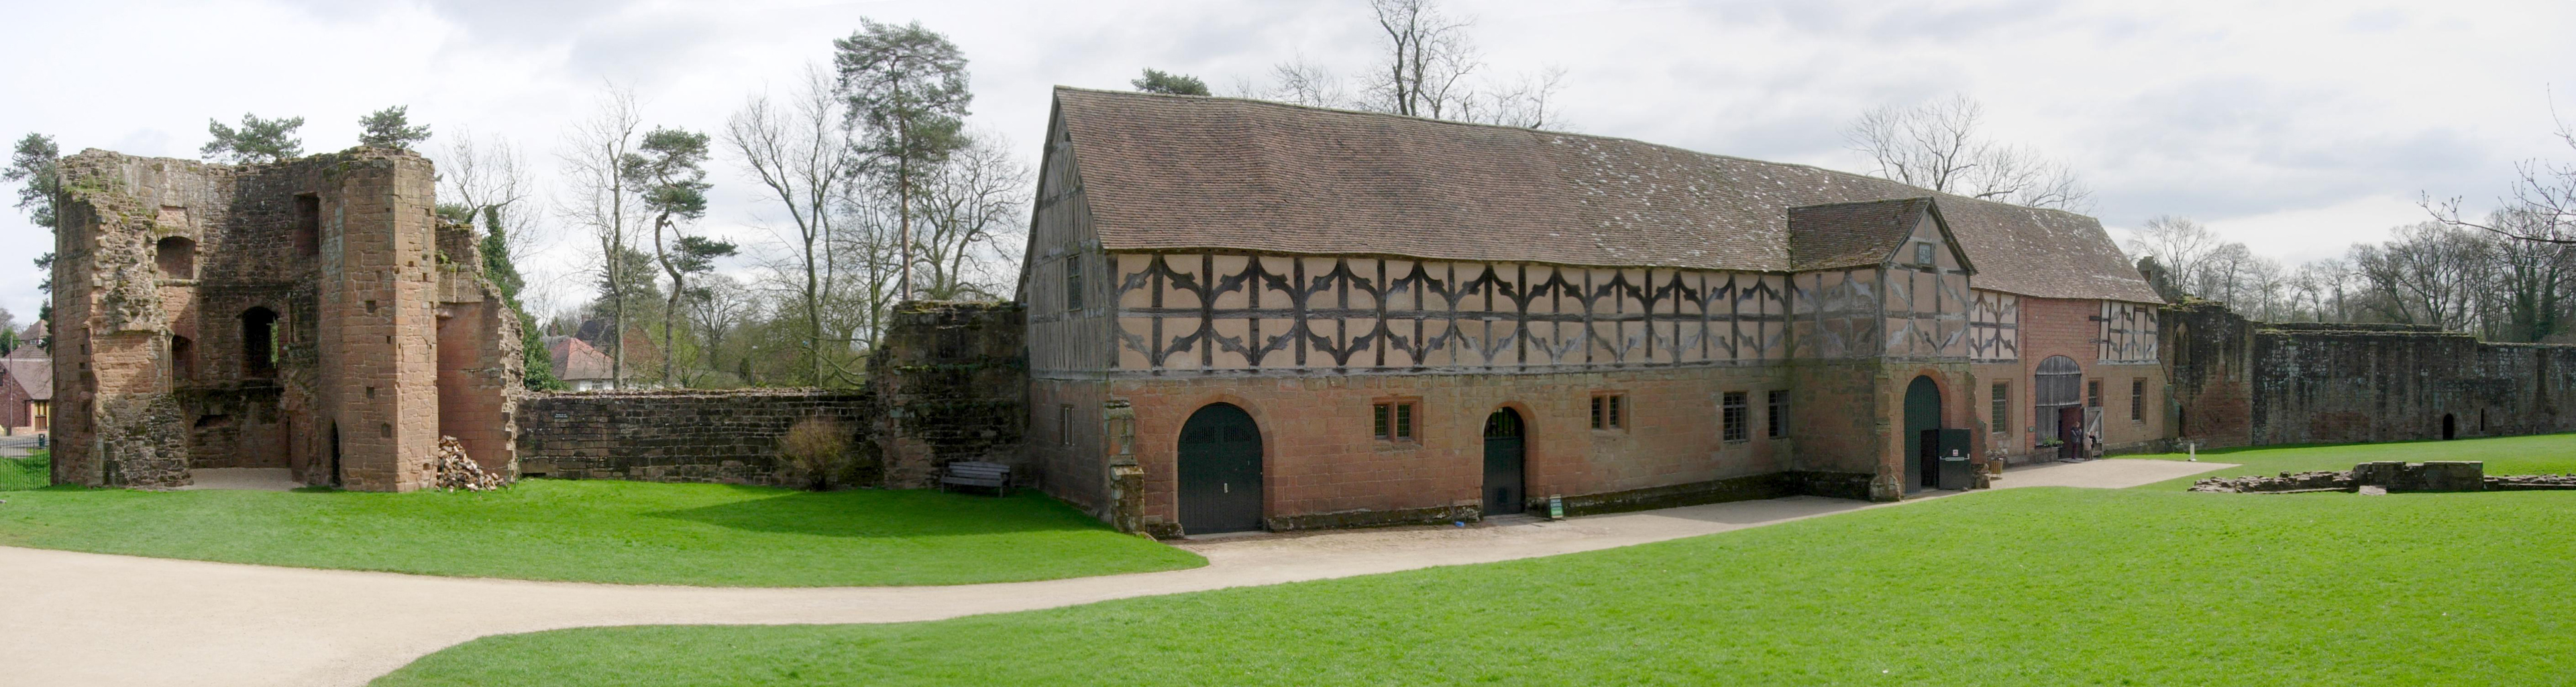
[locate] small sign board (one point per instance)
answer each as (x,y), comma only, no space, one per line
(1555,507)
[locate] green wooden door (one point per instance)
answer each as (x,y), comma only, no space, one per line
(1922,412)
(1505,467)
(1220,471)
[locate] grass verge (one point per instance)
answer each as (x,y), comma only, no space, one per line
(603,531)
(32,472)
(2021,586)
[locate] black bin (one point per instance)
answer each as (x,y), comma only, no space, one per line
(1957,473)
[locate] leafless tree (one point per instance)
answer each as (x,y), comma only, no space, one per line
(2542,202)
(2177,243)
(798,153)
(978,198)
(2533,279)
(1429,55)
(723,305)
(1304,83)
(2428,274)
(592,154)
(490,178)
(1939,146)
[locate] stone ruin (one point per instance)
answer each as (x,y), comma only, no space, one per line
(2388,476)
(313,315)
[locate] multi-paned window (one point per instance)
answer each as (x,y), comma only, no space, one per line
(2092,393)
(1923,254)
(1394,420)
(1732,416)
(1778,418)
(2003,407)
(2138,399)
(1606,411)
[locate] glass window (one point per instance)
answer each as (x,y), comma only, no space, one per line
(1606,411)
(2138,399)
(1779,415)
(1732,416)
(1393,420)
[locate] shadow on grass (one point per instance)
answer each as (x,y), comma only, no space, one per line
(890,514)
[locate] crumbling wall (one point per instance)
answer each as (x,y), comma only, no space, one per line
(2239,382)
(729,437)
(2207,353)
(953,383)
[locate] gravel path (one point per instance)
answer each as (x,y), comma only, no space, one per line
(90,619)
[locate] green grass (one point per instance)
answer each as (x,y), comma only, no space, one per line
(32,472)
(2023,586)
(2525,455)
(602,531)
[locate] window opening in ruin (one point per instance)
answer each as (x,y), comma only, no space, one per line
(1731,415)
(1606,411)
(1393,420)
(183,358)
(1778,417)
(259,342)
(308,224)
(1064,424)
(2002,412)
(177,257)
(2138,399)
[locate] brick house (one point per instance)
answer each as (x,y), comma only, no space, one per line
(26,390)
(1249,315)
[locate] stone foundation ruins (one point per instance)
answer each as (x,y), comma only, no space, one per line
(2389,476)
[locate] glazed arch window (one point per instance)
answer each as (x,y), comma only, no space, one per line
(1392,420)
(1609,411)
(177,257)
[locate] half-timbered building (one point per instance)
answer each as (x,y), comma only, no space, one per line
(1288,317)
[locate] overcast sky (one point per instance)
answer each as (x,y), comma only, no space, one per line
(2298,128)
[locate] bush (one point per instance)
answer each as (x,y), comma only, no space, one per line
(815,450)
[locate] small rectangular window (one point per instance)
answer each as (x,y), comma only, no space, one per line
(1923,254)
(2138,399)
(1779,415)
(1392,420)
(1606,413)
(1064,423)
(2002,415)
(2092,393)
(1731,416)
(1073,283)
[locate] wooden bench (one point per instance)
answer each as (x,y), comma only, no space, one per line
(976,473)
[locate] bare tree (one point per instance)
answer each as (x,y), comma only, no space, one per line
(2428,274)
(722,306)
(2177,243)
(490,179)
(796,152)
(2542,202)
(1301,82)
(1939,146)
(978,197)
(593,153)
(1428,55)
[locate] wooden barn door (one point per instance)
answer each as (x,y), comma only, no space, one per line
(1220,471)
(1506,471)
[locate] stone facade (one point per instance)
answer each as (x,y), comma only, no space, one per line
(313,315)
(952,384)
(2241,383)
(728,437)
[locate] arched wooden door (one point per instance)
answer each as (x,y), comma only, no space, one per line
(1922,412)
(1506,473)
(1220,471)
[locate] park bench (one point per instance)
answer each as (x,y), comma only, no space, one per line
(976,473)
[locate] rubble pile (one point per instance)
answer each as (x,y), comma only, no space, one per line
(450,469)
(2531,482)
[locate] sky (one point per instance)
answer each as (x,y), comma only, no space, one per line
(2296,128)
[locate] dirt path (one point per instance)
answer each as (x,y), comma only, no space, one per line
(91,619)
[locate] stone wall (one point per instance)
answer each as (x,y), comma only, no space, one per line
(2244,383)
(952,378)
(729,437)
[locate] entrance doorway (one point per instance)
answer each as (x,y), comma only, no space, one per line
(1922,412)
(1505,473)
(1220,471)
(2057,391)
(2450,427)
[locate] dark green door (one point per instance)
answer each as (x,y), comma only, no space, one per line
(1922,412)
(1504,467)
(1220,471)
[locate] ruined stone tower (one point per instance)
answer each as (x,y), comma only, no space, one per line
(314,315)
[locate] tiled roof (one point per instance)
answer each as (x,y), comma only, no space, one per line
(31,369)
(1839,235)
(1180,172)
(576,359)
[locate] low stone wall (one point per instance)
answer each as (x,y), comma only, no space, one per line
(2393,476)
(728,437)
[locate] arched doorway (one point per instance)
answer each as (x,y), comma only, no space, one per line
(1505,475)
(1922,412)
(1220,471)
(2450,427)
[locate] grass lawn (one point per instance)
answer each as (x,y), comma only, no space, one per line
(32,472)
(2553,454)
(602,531)
(2022,586)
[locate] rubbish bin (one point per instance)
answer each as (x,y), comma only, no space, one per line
(1956,472)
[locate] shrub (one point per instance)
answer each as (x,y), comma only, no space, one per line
(815,450)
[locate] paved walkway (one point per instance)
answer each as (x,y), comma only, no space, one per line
(90,619)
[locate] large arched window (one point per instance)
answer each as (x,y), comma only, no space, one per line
(177,257)
(259,331)
(2058,385)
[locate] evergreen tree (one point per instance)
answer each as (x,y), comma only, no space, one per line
(391,128)
(258,140)
(1159,81)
